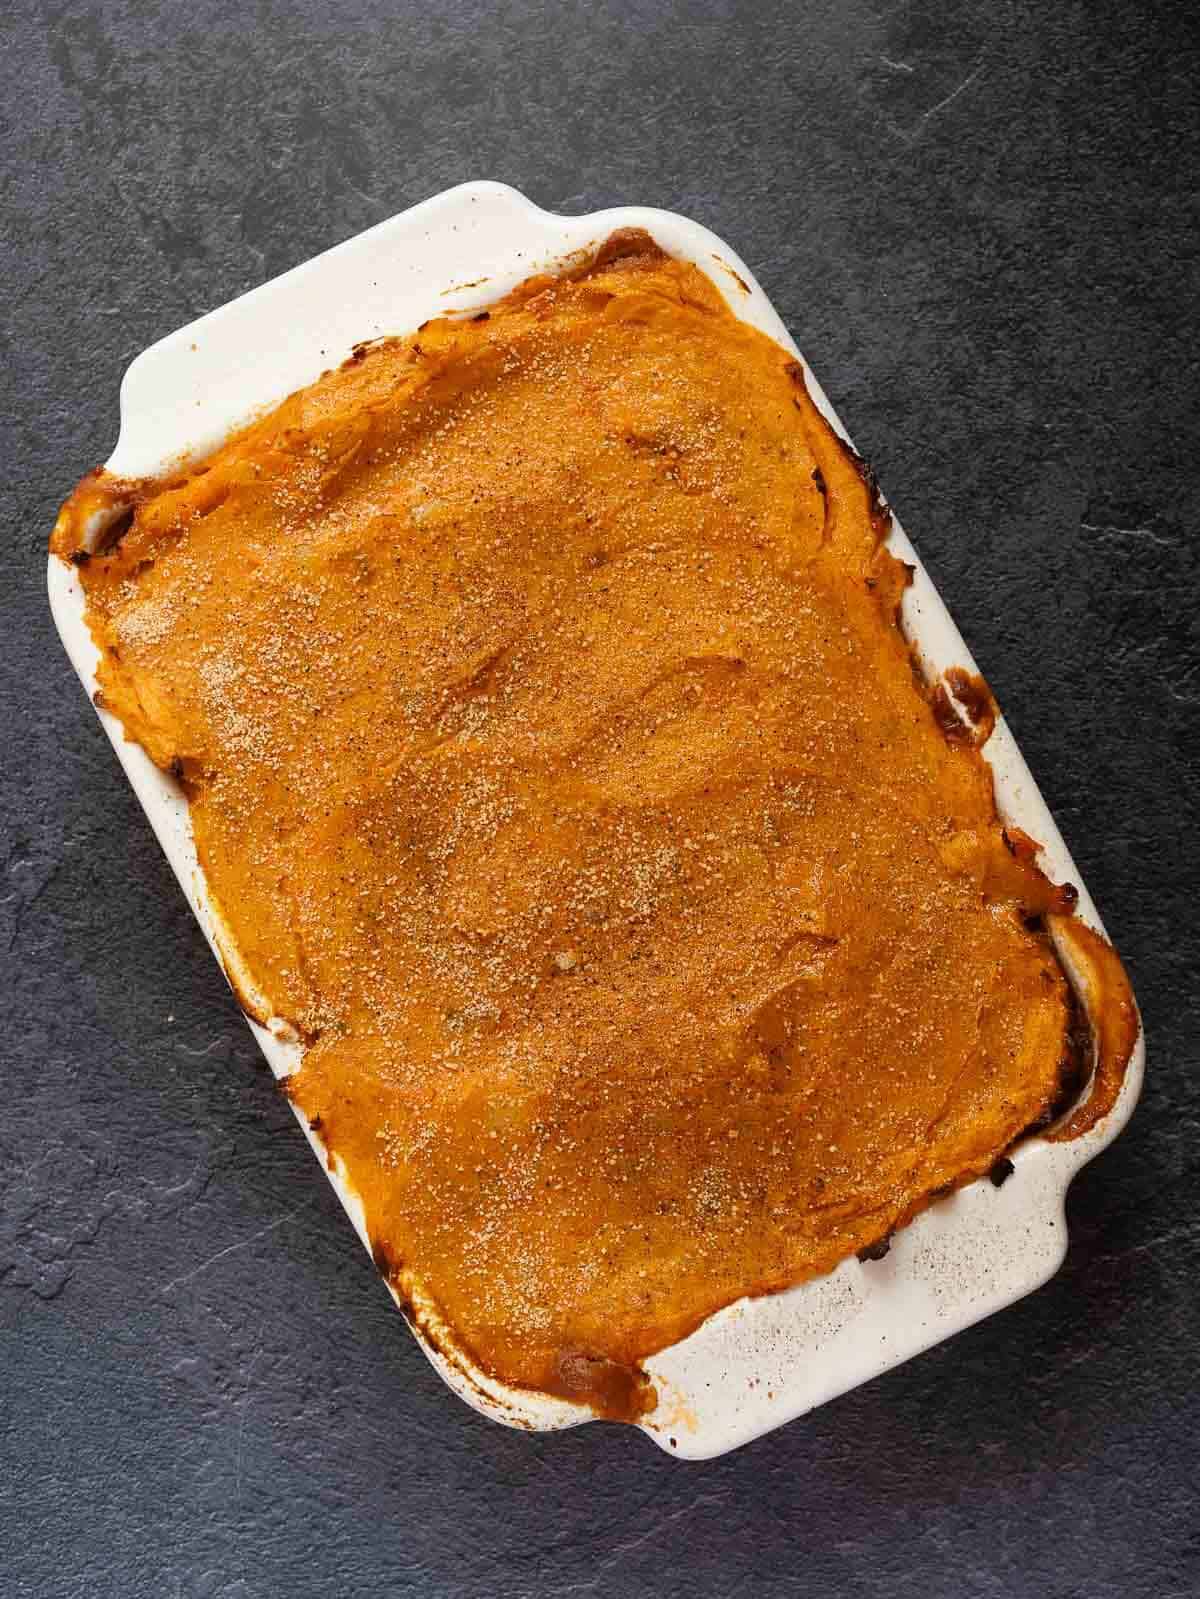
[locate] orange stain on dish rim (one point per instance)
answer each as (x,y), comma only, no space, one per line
(735,275)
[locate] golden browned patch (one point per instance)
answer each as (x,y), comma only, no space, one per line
(559,772)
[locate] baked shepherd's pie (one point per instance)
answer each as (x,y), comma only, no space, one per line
(564,782)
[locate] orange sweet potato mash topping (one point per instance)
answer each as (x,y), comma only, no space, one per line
(560,773)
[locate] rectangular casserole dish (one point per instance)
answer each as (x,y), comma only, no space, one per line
(759,1362)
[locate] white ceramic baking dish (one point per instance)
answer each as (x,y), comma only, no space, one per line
(759,1362)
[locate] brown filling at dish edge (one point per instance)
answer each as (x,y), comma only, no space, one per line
(560,773)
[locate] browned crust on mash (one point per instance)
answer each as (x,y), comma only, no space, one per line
(561,775)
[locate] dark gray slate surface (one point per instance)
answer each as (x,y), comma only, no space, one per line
(980,222)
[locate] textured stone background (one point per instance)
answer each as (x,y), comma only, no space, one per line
(979,220)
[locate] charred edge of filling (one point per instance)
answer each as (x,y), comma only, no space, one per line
(945,713)
(878,511)
(1066,898)
(188,773)
(98,492)
(877,507)
(963,707)
(818,478)
(365,347)
(1019,843)
(1001,1170)
(184,773)
(1078,1052)
(115,531)
(388,1265)
(1112,1032)
(974,696)
(879,1250)
(910,572)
